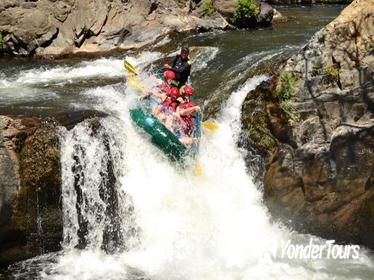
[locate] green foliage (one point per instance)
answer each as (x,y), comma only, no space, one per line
(245,12)
(286,86)
(1,39)
(206,8)
(332,71)
(331,74)
(285,92)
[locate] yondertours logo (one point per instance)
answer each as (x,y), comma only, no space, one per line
(313,250)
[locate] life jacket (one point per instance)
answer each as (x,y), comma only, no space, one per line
(182,69)
(187,121)
(164,88)
(170,104)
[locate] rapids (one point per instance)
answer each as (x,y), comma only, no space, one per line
(129,213)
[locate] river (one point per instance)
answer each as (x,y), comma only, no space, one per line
(144,217)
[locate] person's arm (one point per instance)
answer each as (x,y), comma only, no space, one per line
(189,111)
(160,96)
(172,63)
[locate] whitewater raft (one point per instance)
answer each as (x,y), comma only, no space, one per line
(161,136)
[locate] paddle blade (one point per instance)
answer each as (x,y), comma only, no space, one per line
(130,68)
(210,125)
(135,84)
(198,169)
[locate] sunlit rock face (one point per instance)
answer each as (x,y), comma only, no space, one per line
(59,28)
(319,141)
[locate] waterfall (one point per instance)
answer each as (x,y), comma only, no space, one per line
(130,213)
(97,212)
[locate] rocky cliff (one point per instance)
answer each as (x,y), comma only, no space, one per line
(313,123)
(56,28)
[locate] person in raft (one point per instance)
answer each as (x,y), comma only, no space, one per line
(181,66)
(167,84)
(168,105)
(176,112)
(185,115)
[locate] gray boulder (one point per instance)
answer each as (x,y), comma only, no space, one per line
(57,28)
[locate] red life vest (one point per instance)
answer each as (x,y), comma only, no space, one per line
(164,88)
(170,104)
(187,121)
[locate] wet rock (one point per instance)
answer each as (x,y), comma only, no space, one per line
(278,17)
(30,197)
(9,184)
(266,14)
(313,123)
(30,213)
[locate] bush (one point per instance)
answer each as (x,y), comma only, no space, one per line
(1,40)
(286,86)
(331,74)
(206,8)
(285,92)
(246,13)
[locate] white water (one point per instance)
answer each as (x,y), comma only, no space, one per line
(61,75)
(209,227)
(169,224)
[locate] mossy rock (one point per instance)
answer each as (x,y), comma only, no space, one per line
(40,191)
(255,120)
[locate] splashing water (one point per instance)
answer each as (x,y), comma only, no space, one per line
(129,213)
(180,226)
(103,68)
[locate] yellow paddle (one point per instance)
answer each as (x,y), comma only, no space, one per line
(130,68)
(135,84)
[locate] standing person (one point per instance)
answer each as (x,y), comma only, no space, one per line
(181,66)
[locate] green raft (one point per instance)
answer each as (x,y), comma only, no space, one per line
(162,137)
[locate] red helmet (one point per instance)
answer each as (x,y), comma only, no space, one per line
(174,92)
(188,90)
(169,75)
